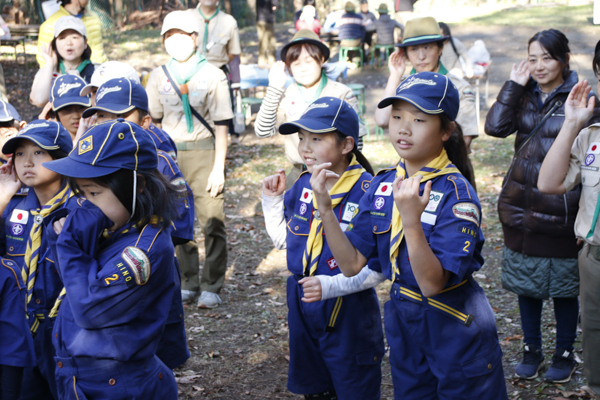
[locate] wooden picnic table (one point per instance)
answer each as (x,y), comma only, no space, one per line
(29,31)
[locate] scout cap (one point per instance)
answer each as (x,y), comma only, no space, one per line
(383,9)
(107,71)
(106,148)
(8,112)
(309,37)
(66,91)
(350,7)
(430,92)
(420,31)
(182,20)
(49,135)
(69,22)
(327,114)
(119,96)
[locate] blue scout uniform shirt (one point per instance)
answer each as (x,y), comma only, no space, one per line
(163,141)
(18,221)
(451,223)
(184,223)
(17,344)
(298,211)
(119,290)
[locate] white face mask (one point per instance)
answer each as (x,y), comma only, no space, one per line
(180,47)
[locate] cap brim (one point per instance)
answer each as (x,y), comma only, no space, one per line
(111,108)
(425,106)
(317,43)
(87,89)
(11,144)
(310,125)
(58,105)
(422,40)
(74,169)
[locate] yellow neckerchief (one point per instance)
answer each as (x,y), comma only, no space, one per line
(441,165)
(314,244)
(106,234)
(32,252)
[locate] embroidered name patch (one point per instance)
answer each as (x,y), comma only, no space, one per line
(306,195)
(20,216)
(434,201)
(466,230)
(466,211)
(138,263)
(349,211)
(85,145)
(384,189)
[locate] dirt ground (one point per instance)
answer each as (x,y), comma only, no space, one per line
(240,349)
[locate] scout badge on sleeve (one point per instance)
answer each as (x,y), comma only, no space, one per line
(138,263)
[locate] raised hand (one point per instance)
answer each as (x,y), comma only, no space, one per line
(274,185)
(318,182)
(578,108)
(520,73)
(397,64)
(49,55)
(277,75)
(9,183)
(408,201)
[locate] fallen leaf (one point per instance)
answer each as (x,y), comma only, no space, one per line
(187,379)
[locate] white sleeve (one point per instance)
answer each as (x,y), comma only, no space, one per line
(339,285)
(275,220)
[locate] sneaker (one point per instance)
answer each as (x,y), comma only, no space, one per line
(563,366)
(532,363)
(209,300)
(188,295)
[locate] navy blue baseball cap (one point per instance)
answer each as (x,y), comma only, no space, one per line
(430,92)
(118,96)
(327,114)
(8,112)
(65,92)
(49,135)
(106,148)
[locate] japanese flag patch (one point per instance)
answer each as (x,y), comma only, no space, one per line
(384,189)
(466,211)
(138,263)
(594,148)
(434,201)
(306,195)
(20,216)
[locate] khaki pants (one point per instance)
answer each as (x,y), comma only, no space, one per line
(196,166)
(589,281)
(351,43)
(266,43)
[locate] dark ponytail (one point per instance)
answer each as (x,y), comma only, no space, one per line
(360,157)
(446,32)
(457,150)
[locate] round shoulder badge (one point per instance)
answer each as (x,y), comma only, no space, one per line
(139,264)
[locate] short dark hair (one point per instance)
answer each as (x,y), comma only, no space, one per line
(10,124)
(86,55)
(556,44)
(158,198)
(596,60)
(293,53)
